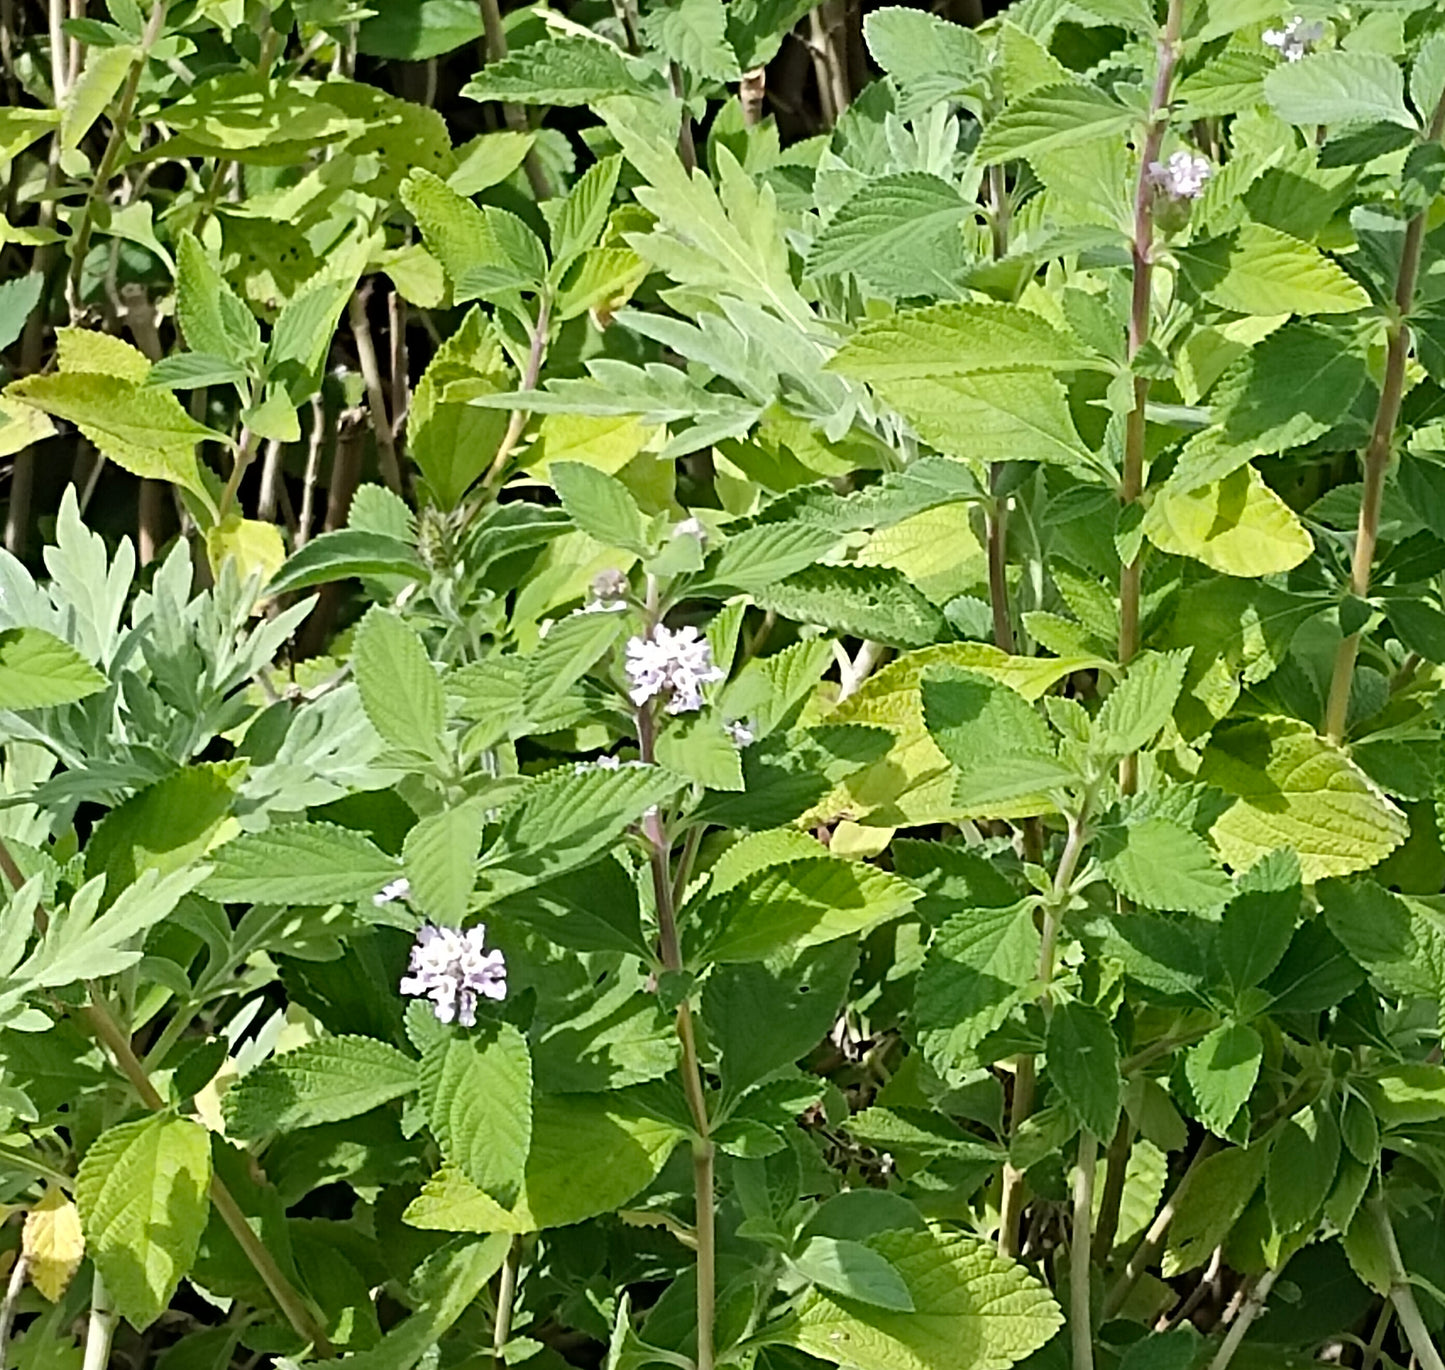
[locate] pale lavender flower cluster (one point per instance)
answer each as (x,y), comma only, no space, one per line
(452,968)
(609,594)
(400,888)
(739,731)
(677,664)
(1295,39)
(1182,177)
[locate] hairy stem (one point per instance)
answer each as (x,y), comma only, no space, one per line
(245,452)
(1377,452)
(1080,1254)
(671,955)
(1402,1294)
(536,353)
(1253,1307)
(80,244)
(1140,312)
(1011,1199)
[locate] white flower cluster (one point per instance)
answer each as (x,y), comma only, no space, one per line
(1295,39)
(677,664)
(1182,177)
(740,732)
(451,967)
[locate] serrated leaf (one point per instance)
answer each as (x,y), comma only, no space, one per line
(1237,526)
(345,553)
(1255,933)
(1302,1166)
(759,557)
(974,720)
(1142,703)
(853,1270)
(981,965)
(299,863)
(1293,788)
(872,602)
(145,431)
(39,671)
(799,904)
(1337,87)
(930,59)
(1159,864)
(213,317)
(1051,118)
(399,687)
(143,1200)
(484,251)
(693,33)
(105,71)
(973,1307)
(1221,1071)
(325,1081)
(558,71)
(1259,270)
(478,1093)
(600,505)
(53,1243)
(578,224)
(1207,1208)
(439,857)
(1083,1056)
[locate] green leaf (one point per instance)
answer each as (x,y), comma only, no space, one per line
(1051,118)
(1083,1056)
(302,335)
(592,909)
(299,863)
(142,1194)
(1221,1071)
(39,671)
(1255,933)
(399,687)
(440,859)
(981,965)
(417,30)
(928,58)
(1237,526)
(212,316)
(600,505)
(484,251)
(17,298)
(324,1081)
(1338,87)
(693,33)
(973,1308)
(899,234)
(590,1154)
(1209,1204)
(1292,788)
(1302,1166)
(1400,941)
(145,431)
(345,553)
(579,222)
(872,602)
(975,720)
(99,83)
(1160,864)
(759,557)
(1142,703)
(1259,270)
(855,1271)
(799,904)
(559,71)
(478,1093)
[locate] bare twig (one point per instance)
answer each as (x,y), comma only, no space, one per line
(1252,1308)
(19,1273)
(381,422)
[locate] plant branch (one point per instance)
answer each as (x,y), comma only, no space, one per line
(536,353)
(100,1328)
(494,49)
(506,1297)
(1402,1294)
(1081,1255)
(1253,1307)
(80,244)
(245,453)
(1116,1169)
(381,422)
(1379,449)
(18,1275)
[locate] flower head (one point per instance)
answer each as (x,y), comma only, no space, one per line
(740,732)
(1182,177)
(400,888)
(1295,39)
(677,664)
(451,967)
(609,594)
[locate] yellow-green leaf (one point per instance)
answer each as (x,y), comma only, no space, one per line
(1237,525)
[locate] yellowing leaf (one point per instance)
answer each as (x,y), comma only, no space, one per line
(20,425)
(1293,788)
(1237,525)
(256,546)
(85,349)
(53,1244)
(1260,270)
(913,782)
(606,441)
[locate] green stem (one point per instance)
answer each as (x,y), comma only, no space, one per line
(80,244)
(1253,1307)
(245,453)
(18,1275)
(100,1328)
(1402,1294)
(506,1297)
(1377,453)
(1116,1169)
(1081,1327)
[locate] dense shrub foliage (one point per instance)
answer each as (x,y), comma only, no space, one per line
(756,717)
